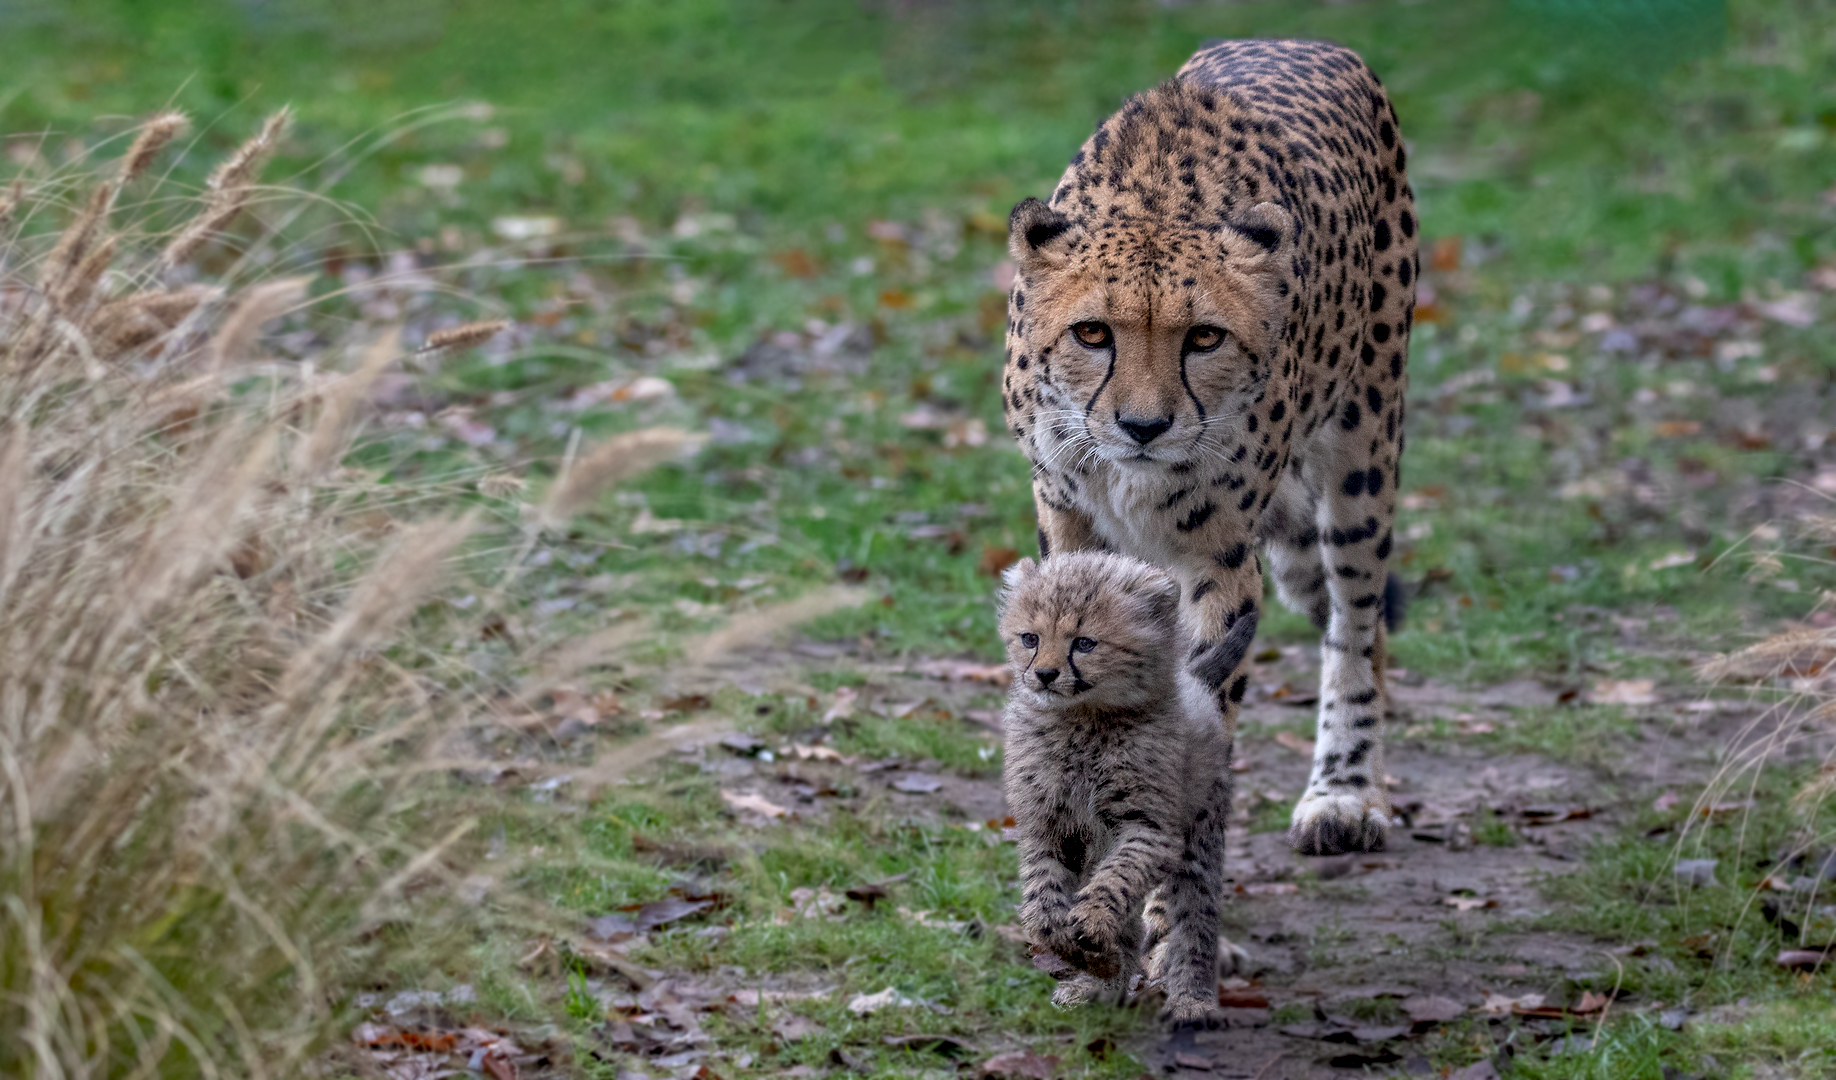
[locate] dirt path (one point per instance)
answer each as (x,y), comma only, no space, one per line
(1353,945)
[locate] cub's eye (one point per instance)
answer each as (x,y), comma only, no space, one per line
(1030,641)
(1096,335)
(1204,338)
(1083,644)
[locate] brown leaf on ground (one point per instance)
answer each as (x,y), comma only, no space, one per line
(795,1028)
(996,559)
(1242,998)
(1591,1003)
(1021,1065)
(748,803)
(1550,815)
(1295,742)
(872,891)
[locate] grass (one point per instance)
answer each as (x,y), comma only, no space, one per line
(715,175)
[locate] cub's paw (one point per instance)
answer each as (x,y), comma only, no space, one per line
(1214,665)
(1084,988)
(1095,944)
(1337,824)
(1080,989)
(1183,1013)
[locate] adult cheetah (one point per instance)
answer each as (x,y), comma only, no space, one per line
(1206,347)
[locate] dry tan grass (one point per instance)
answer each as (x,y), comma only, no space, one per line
(211,691)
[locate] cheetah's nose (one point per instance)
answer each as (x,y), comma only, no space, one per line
(1144,431)
(1045,675)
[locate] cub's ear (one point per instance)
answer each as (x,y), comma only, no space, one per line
(1016,575)
(1039,237)
(1163,597)
(1270,232)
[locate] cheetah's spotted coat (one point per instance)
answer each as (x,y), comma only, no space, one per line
(1206,350)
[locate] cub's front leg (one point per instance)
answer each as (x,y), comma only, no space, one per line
(1141,810)
(1051,864)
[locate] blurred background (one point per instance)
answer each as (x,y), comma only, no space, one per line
(780,226)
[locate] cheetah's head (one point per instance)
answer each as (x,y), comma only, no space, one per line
(1090,628)
(1152,338)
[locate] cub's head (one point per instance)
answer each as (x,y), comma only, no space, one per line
(1090,628)
(1152,293)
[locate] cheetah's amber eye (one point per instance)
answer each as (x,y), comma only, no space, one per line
(1083,644)
(1203,338)
(1030,641)
(1095,335)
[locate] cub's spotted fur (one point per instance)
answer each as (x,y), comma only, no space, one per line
(1117,785)
(1206,347)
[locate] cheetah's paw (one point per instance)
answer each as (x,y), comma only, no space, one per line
(1335,824)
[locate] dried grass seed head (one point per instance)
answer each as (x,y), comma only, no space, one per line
(153,137)
(465,335)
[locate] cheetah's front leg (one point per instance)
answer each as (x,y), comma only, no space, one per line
(1346,806)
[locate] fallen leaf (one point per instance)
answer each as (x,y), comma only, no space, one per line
(1674,559)
(1242,998)
(794,1028)
(1469,903)
(1478,1070)
(1591,1003)
(1677,429)
(843,705)
(1268,888)
(966,671)
(748,803)
(1295,742)
(916,783)
(1802,959)
(1550,815)
(816,753)
(1428,1009)
(687,703)
(872,891)
(1021,1065)
(1697,871)
(996,559)
(1500,1004)
(868,1004)
(1665,801)
(1625,692)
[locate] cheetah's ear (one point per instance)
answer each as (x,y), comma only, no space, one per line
(1271,229)
(1039,237)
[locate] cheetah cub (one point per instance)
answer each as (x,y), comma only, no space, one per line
(1119,786)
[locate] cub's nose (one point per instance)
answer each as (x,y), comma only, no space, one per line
(1144,431)
(1045,675)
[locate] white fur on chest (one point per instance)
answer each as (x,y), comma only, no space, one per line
(1125,505)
